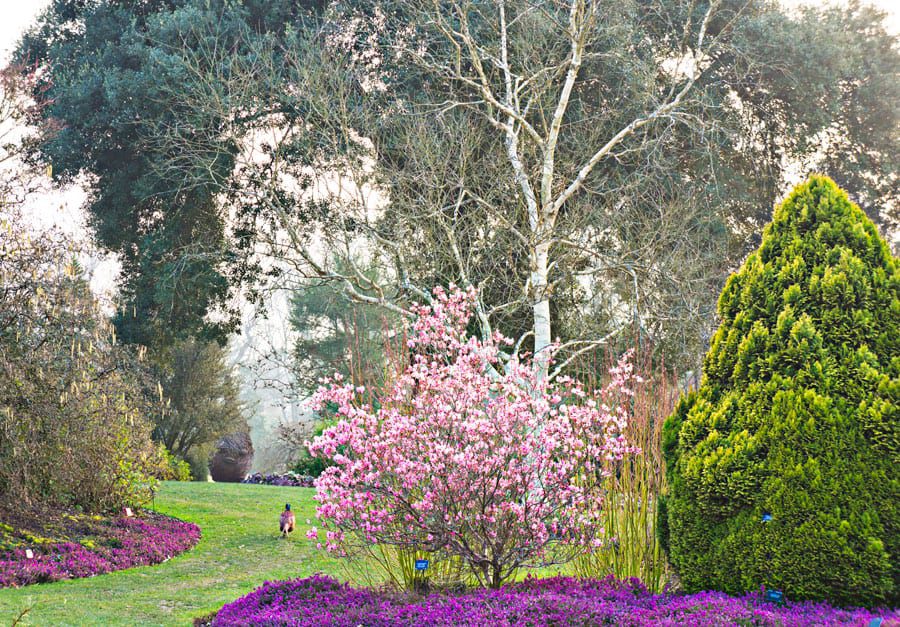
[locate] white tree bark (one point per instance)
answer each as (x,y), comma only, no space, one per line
(541,310)
(544,208)
(503,89)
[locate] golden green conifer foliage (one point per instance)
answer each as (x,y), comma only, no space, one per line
(783,465)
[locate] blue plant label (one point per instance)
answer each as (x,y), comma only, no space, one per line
(876,622)
(767,517)
(775,596)
(421,564)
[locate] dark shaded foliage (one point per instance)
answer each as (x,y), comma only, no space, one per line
(232,458)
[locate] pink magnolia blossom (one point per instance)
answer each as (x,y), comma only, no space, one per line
(467,456)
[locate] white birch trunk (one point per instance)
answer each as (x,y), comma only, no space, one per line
(541,310)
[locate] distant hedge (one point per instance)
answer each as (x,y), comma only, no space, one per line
(796,417)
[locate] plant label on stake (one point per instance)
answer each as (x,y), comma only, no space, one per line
(421,564)
(29,554)
(773,596)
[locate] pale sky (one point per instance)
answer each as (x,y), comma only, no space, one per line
(60,208)
(16,15)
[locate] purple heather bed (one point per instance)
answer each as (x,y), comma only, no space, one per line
(103,545)
(286,479)
(562,601)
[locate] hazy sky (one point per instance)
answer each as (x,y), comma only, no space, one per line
(55,208)
(15,15)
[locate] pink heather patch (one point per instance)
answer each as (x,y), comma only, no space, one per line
(116,544)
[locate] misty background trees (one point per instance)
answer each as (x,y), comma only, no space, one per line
(595,169)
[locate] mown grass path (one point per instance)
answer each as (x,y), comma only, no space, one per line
(240,549)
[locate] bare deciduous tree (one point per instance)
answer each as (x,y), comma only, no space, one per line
(509,170)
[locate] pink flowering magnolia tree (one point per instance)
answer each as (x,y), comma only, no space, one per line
(469,457)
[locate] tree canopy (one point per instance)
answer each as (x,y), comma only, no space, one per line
(105,64)
(590,167)
(202,396)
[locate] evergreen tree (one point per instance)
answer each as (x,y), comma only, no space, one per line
(111,61)
(203,399)
(783,465)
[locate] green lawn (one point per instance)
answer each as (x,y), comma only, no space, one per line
(240,548)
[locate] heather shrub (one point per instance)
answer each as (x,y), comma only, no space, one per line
(469,458)
(796,418)
(287,479)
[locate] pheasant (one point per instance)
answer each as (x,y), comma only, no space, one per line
(287,520)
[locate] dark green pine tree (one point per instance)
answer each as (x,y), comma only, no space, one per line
(796,417)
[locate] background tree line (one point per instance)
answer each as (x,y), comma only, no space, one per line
(594,168)
(79,406)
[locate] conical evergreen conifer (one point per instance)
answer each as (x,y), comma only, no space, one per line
(783,465)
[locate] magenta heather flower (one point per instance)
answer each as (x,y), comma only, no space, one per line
(287,479)
(116,544)
(561,601)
